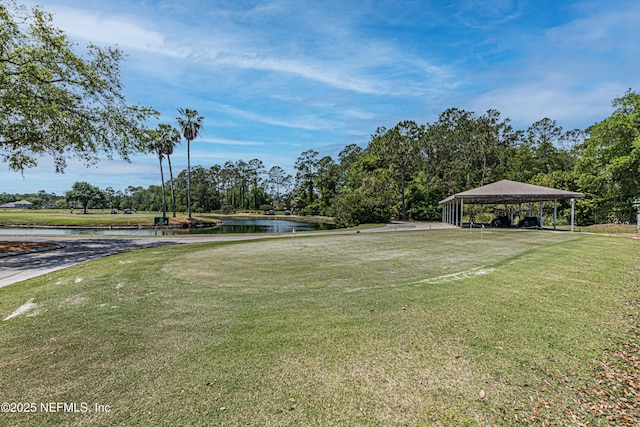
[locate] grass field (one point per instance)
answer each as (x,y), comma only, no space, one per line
(410,328)
(605,228)
(62,218)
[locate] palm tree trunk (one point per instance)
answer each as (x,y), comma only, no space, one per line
(173,196)
(188,178)
(404,206)
(164,194)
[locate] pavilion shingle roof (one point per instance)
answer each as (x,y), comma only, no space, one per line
(506,191)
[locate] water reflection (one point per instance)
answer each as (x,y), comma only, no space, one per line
(264,226)
(228,226)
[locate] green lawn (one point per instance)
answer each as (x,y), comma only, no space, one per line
(63,217)
(408,328)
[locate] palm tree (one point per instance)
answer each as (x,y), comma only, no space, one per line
(170,137)
(157,146)
(190,123)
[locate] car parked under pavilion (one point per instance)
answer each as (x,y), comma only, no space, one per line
(507,193)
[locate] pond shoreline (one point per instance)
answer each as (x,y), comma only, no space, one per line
(104,227)
(202,221)
(228,226)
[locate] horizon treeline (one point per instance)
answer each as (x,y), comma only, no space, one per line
(404,171)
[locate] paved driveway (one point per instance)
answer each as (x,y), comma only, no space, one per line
(21,267)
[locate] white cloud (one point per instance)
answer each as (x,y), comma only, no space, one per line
(350,62)
(612,29)
(114,30)
(483,14)
(357,113)
(527,103)
(324,73)
(227,141)
(571,72)
(308,122)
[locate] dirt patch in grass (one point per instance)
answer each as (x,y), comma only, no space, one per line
(611,397)
(620,230)
(611,228)
(7,247)
(631,235)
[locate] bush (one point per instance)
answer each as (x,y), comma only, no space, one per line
(352,208)
(425,212)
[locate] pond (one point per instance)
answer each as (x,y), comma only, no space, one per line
(228,226)
(264,226)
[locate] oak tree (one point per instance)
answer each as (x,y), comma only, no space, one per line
(57,102)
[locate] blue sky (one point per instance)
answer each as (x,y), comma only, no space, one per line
(275,78)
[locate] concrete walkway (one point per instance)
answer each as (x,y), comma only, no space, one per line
(78,249)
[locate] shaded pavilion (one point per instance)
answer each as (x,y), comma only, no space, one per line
(508,193)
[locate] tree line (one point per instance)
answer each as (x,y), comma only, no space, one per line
(404,171)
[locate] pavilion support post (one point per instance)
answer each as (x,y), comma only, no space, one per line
(461,213)
(573,212)
(446,212)
(455,213)
(555,214)
(540,221)
(451,213)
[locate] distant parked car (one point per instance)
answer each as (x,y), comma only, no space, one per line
(529,222)
(127,211)
(501,221)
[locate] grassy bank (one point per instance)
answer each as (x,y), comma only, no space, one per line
(408,328)
(254,215)
(610,228)
(63,218)
(103,218)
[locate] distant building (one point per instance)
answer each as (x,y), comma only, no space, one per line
(22,204)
